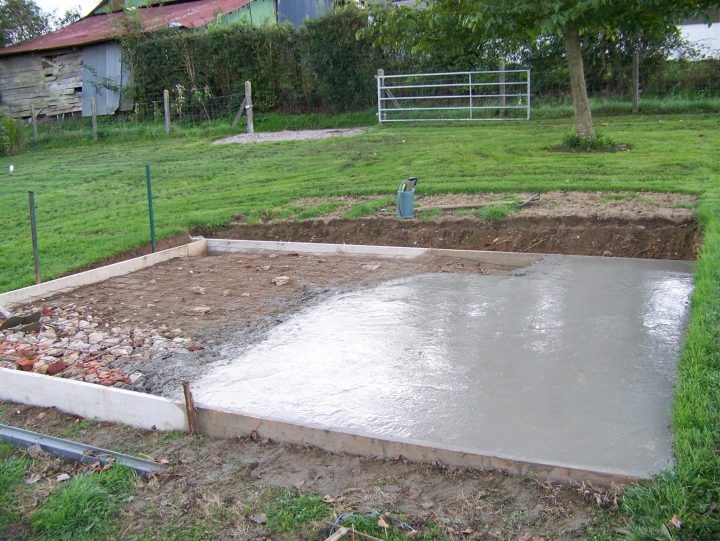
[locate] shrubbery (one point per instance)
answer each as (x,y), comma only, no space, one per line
(318,67)
(328,64)
(12,136)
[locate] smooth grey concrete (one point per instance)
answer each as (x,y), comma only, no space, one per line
(571,361)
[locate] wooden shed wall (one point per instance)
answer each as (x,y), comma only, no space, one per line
(51,82)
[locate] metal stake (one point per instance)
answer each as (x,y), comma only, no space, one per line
(33,230)
(150,207)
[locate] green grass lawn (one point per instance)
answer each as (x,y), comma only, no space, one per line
(91,199)
(91,203)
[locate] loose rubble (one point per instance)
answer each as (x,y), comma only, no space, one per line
(73,344)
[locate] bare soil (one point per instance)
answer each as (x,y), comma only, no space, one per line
(226,482)
(288,135)
(226,298)
(596,205)
(654,238)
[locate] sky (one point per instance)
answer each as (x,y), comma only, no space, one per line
(62,5)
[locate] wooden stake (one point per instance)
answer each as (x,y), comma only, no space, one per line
(93,112)
(354,532)
(342,532)
(166,107)
(241,110)
(190,409)
(635,81)
(249,107)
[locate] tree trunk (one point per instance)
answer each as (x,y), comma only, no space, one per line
(581,105)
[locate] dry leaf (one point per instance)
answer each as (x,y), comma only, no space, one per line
(62,477)
(382,524)
(675,522)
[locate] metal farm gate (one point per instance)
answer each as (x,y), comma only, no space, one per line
(459,95)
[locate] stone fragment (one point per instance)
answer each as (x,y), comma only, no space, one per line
(280,280)
(40,367)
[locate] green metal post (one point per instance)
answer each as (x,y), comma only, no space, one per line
(33,232)
(150,208)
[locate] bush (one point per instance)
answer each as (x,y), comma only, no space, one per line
(12,136)
(597,141)
(319,67)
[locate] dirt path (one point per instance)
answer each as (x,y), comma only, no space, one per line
(223,483)
(288,135)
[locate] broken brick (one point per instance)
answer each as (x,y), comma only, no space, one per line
(25,364)
(57,366)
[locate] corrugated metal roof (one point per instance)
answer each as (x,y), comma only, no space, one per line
(98,28)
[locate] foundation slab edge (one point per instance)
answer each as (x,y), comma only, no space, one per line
(225,424)
(93,276)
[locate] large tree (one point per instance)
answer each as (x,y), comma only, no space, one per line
(518,20)
(21,20)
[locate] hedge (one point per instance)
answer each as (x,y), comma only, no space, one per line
(320,66)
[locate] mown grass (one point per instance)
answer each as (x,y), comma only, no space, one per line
(291,511)
(368,207)
(83,508)
(493,213)
(91,199)
(12,470)
(691,491)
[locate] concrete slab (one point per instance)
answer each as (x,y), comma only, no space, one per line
(569,362)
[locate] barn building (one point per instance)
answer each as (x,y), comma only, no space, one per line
(58,74)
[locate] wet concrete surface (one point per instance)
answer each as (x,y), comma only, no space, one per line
(571,361)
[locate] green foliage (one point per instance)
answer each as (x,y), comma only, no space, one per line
(368,207)
(318,210)
(691,491)
(290,511)
(82,509)
(21,20)
(12,470)
(429,214)
(318,67)
(12,136)
(597,141)
(492,213)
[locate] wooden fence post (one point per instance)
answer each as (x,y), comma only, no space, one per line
(33,120)
(249,107)
(93,112)
(635,81)
(166,107)
(502,87)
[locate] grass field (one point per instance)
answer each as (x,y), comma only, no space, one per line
(91,203)
(91,199)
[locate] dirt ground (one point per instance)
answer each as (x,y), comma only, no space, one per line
(226,483)
(597,205)
(287,135)
(150,329)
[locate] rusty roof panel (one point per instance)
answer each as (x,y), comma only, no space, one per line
(98,28)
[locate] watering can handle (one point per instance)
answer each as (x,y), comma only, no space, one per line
(403,184)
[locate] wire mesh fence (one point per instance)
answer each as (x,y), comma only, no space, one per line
(490,95)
